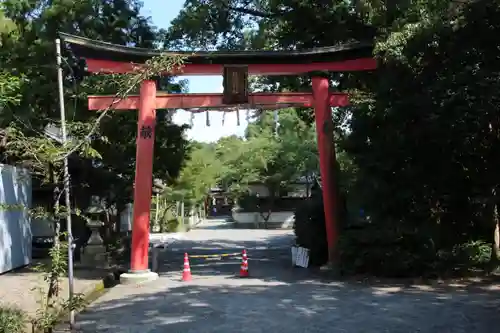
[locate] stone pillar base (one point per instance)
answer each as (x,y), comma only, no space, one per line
(138,277)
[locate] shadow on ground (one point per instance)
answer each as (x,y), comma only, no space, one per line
(80,271)
(217,226)
(268,258)
(255,306)
(280,298)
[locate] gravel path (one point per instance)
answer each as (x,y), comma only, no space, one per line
(21,287)
(279,298)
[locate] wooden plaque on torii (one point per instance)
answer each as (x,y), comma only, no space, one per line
(235,82)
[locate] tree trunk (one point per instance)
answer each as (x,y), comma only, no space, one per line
(108,228)
(120,207)
(267,211)
(492,207)
(266,218)
(495,223)
(157,213)
(496,244)
(164,215)
(495,254)
(308,185)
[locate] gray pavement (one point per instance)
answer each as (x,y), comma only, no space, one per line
(278,298)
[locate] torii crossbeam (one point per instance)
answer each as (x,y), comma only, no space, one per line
(266,101)
(235,66)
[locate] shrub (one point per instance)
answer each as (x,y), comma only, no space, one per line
(119,248)
(371,249)
(384,250)
(170,221)
(472,255)
(173,224)
(310,231)
(12,319)
(381,248)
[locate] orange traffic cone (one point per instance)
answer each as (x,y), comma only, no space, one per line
(244,265)
(186,274)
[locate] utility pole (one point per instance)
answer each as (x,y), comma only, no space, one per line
(66,182)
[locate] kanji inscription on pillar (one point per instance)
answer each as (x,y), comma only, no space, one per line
(146,132)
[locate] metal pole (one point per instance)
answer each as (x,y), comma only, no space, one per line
(182,213)
(66,181)
(157,211)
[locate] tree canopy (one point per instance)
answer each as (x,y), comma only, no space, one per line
(104,164)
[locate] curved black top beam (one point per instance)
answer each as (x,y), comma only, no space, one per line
(98,50)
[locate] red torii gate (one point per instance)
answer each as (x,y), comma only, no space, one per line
(108,58)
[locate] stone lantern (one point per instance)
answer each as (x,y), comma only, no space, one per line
(95,237)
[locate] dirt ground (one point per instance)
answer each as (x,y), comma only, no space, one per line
(20,287)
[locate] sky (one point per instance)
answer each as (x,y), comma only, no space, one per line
(162,13)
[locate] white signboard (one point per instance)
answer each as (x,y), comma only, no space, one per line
(300,256)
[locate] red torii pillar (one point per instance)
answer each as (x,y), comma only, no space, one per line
(139,266)
(326,149)
(143,176)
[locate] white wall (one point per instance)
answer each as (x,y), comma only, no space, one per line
(284,219)
(296,190)
(15,228)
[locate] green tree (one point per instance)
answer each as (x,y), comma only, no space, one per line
(273,158)
(28,34)
(200,172)
(435,130)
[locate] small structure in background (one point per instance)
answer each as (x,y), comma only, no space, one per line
(219,202)
(259,209)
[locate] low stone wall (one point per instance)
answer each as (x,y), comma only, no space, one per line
(252,220)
